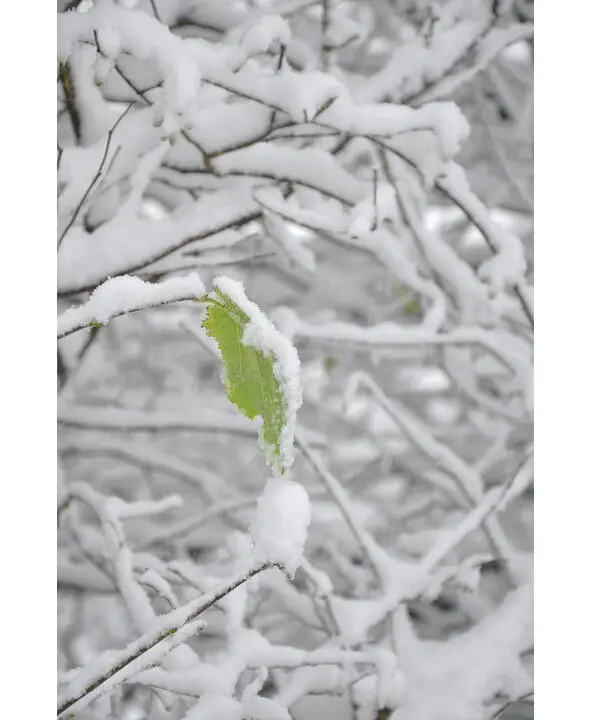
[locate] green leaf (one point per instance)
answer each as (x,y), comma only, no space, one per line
(248,373)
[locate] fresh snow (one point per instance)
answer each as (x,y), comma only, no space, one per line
(303,96)
(143,37)
(214,707)
(126,244)
(369,214)
(231,145)
(258,36)
(125,294)
(280,527)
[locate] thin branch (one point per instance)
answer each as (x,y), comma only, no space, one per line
(155,10)
(82,354)
(201,480)
(374,224)
(447,188)
(503,161)
(417,97)
(467,479)
(65,77)
(96,177)
(503,709)
(62,370)
(143,95)
(118,669)
(188,526)
(96,325)
(324,27)
(281,57)
(337,492)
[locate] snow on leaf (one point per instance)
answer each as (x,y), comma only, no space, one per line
(261,368)
(280,527)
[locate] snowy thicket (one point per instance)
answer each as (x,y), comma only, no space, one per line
(356,177)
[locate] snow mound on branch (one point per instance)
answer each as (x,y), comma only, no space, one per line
(124,294)
(280,527)
(369,214)
(304,95)
(118,30)
(260,35)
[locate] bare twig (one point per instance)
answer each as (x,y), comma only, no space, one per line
(166,626)
(155,10)
(96,177)
(325,48)
(95,325)
(65,77)
(503,709)
(445,185)
(503,161)
(374,224)
(337,492)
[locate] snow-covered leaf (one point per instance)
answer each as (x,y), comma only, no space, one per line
(261,368)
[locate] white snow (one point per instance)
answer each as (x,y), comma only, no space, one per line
(95,670)
(312,167)
(453,680)
(222,125)
(214,707)
(95,114)
(125,294)
(241,110)
(508,265)
(259,35)
(280,527)
(286,236)
(142,36)
(126,244)
(303,95)
(263,335)
(162,587)
(369,214)
(416,62)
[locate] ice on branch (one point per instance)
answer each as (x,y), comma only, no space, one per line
(261,368)
(125,294)
(280,527)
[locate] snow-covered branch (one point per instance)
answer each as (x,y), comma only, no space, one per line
(126,294)
(362,172)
